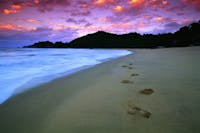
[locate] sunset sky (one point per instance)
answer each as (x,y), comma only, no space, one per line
(23,22)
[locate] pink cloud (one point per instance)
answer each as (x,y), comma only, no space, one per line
(13,9)
(118,9)
(103,2)
(32,20)
(7,27)
(122,26)
(11,26)
(159,19)
(104,20)
(185,21)
(136,3)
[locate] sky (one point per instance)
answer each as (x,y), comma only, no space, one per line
(24,22)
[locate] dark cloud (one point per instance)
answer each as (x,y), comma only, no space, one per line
(173,24)
(7,3)
(80,13)
(88,24)
(116,18)
(195,3)
(71,20)
(49,5)
(171,27)
(3,3)
(180,13)
(75,21)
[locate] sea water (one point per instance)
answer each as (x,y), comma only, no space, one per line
(20,66)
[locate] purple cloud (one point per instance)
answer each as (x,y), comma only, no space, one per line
(40,34)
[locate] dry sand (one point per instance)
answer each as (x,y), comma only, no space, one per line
(107,98)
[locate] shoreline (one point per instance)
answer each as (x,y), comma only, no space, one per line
(97,100)
(25,88)
(40,74)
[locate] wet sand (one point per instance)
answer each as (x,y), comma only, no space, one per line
(107,98)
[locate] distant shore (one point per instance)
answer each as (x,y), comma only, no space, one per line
(107,97)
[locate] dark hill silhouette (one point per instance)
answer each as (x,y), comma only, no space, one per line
(47,44)
(185,36)
(99,39)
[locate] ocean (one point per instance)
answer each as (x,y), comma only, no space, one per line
(21,68)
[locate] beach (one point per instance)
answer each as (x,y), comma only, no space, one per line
(107,98)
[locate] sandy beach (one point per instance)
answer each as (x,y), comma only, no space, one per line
(107,98)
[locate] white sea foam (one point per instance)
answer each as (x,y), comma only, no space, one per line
(19,66)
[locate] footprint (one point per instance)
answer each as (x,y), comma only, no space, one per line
(126,82)
(146,91)
(130,67)
(134,74)
(124,66)
(146,114)
(135,110)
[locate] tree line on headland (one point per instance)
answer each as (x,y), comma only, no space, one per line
(185,36)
